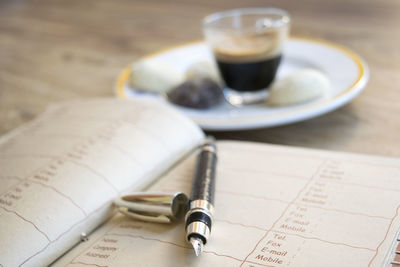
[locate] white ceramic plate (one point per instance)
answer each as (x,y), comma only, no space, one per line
(347,72)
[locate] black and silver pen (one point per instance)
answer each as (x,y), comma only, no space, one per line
(200,215)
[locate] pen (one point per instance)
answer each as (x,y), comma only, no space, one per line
(199,217)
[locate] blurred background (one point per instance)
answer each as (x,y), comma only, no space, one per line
(54,50)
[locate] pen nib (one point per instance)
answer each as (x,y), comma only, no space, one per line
(197,245)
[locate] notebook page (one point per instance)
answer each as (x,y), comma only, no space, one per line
(60,173)
(274,206)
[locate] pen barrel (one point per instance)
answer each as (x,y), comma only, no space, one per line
(203,186)
(199,217)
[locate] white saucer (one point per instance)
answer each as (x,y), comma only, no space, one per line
(347,72)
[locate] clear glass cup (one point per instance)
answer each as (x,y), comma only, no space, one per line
(247,45)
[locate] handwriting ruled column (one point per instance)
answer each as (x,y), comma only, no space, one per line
(272,249)
(320,219)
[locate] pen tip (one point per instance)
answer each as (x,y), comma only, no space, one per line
(197,245)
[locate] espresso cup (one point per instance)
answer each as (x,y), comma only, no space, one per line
(247,45)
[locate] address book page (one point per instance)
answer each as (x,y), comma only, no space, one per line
(60,173)
(274,206)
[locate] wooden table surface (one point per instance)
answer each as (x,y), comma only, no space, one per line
(52,50)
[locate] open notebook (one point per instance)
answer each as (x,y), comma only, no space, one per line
(274,206)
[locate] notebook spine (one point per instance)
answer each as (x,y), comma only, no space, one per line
(392,258)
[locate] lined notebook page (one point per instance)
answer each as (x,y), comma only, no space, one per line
(275,206)
(60,173)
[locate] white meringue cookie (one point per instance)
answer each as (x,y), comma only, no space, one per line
(155,76)
(299,87)
(205,69)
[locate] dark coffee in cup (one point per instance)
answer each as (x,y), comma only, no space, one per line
(247,45)
(250,63)
(249,76)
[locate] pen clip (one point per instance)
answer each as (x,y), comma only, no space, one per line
(154,207)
